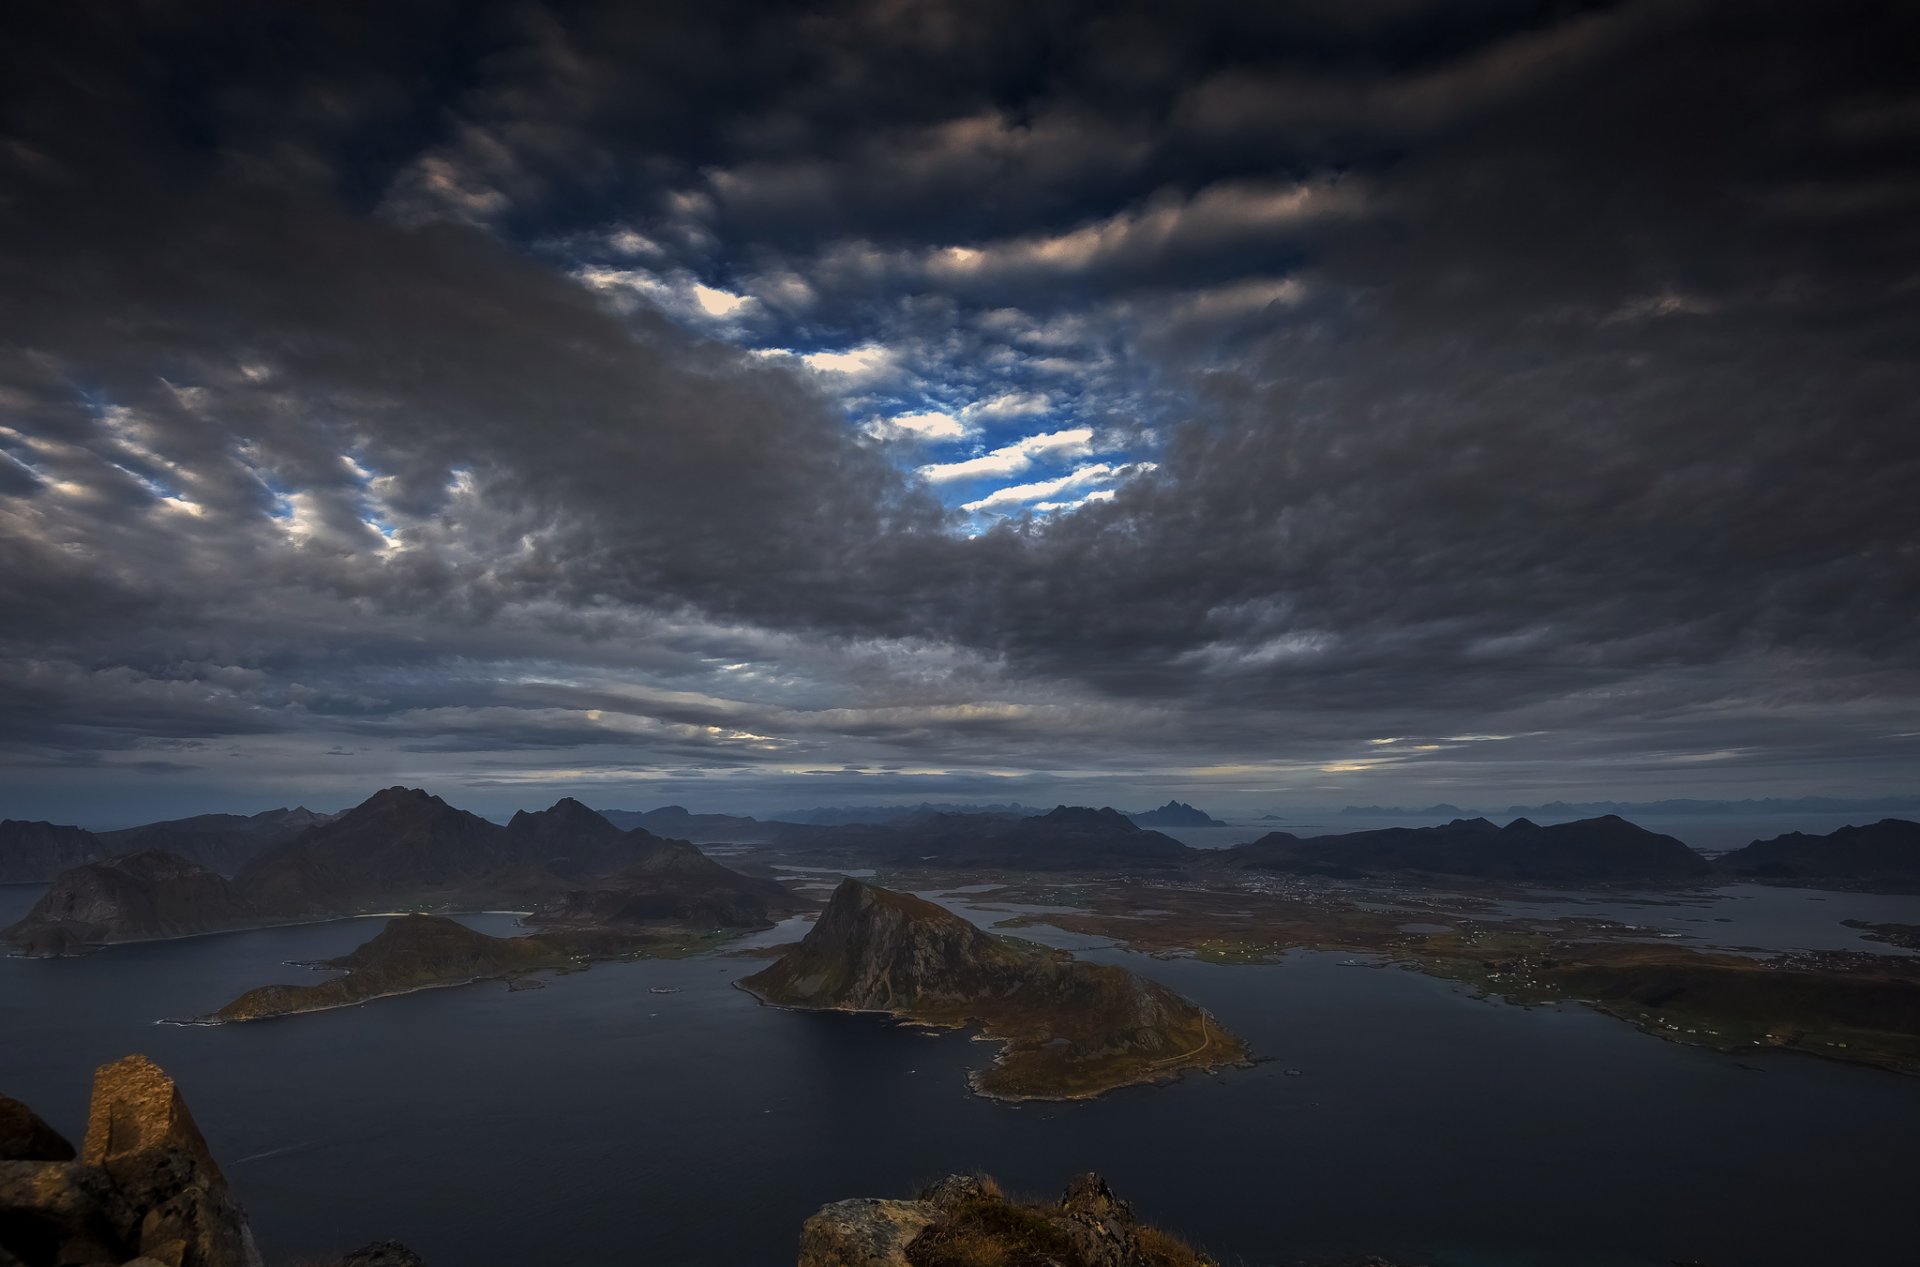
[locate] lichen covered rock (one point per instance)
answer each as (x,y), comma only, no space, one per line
(144,1187)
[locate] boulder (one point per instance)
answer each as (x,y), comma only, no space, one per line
(863,1232)
(144,1187)
(141,1135)
(383,1254)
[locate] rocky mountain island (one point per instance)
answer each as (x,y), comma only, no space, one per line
(1071,1030)
(1175,814)
(1606,850)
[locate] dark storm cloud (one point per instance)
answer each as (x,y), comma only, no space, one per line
(1504,368)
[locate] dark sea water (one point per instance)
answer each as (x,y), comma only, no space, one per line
(592,1122)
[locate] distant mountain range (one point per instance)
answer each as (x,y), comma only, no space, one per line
(841,815)
(1606,850)
(402,847)
(35,852)
(1066,838)
(1655,809)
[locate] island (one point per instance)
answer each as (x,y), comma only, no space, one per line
(1175,814)
(413,952)
(1070,1030)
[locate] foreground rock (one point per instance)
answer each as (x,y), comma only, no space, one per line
(144,1190)
(1072,1030)
(144,1185)
(966,1221)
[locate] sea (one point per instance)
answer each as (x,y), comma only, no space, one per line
(595,1121)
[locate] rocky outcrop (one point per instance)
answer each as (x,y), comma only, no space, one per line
(1071,1029)
(1592,851)
(863,1232)
(144,1187)
(966,1221)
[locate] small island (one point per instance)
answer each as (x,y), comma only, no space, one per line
(413,952)
(1071,1030)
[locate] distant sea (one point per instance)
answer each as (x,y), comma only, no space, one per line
(595,1122)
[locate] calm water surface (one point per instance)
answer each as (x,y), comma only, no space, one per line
(593,1122)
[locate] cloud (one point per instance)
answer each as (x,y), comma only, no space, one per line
(1011,459)
(418,397)
(1039,491)
(925,425)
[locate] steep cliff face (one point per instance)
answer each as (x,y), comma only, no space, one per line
(139,898)
(1072,1029)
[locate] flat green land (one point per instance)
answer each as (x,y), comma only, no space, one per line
(1861,1008)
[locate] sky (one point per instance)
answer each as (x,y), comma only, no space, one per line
(758,406)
